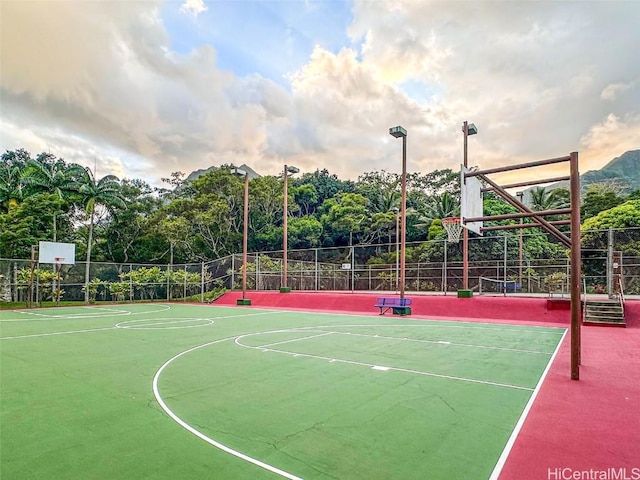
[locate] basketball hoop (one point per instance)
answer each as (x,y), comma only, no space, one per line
(453,227)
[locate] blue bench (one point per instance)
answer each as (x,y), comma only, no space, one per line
(399,306)
(509,286)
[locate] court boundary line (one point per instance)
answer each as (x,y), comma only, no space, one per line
(433,320)
(502,460)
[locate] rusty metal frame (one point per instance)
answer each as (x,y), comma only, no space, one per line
(572,242)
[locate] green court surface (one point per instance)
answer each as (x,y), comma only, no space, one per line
(155,391)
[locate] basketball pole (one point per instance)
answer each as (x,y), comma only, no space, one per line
(575,267)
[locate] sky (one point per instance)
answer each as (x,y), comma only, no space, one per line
(144,88)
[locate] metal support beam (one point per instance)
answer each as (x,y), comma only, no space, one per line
(509,168)
(530,182)
(523,208)
(575,267)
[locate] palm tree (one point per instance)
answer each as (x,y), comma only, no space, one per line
(442,206)
(102,193)
(11,180)
(47,174)
(543,199)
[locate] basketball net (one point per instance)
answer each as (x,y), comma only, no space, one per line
(453,228)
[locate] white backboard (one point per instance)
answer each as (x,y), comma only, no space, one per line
(57,253)
(470,200)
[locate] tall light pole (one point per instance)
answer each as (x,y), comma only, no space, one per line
(398,132)
(396,211)
(520,197)
(467,129)
(287,170)
(245,236)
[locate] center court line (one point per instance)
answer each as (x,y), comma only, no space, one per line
(371,365)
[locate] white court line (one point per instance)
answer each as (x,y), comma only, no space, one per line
(514,434)
(266,466)
(202,436)
(423,322)
(115,327)
(74,316)
(371,365)
(293,340)
(442,342)
(59,333)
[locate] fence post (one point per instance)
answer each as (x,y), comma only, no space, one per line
(258,274)
(316,267)
(14,290)
(168,283)
(444,269)
(353,268)
(504,270)
(202,282)
(609,265)
(184,294)
(233,270)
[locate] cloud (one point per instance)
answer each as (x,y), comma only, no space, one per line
(193,7)
(101,83)
(613,134)
(613,90)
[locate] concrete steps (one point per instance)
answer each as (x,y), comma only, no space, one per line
(604,313)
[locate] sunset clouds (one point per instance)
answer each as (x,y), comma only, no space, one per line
(143,89)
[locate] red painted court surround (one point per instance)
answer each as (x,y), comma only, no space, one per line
(582,427)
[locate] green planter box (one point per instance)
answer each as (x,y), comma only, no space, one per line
(465,293)
(285,289)
(401,311)
(243,301)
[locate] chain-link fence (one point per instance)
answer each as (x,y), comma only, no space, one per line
(32,283)
(430,267)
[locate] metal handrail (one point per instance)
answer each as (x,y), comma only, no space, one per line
(621,296)
(584,299)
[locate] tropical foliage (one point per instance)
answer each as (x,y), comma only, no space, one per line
(126,220)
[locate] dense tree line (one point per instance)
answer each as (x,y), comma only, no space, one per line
(122,221)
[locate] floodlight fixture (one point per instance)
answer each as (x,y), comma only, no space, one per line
(398,132)
(471,129)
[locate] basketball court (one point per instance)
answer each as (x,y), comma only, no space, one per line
(93,391)
(190,391)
